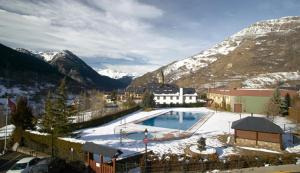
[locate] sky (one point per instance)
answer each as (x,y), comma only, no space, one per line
(134,36)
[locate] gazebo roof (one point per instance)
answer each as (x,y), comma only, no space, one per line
(259,124)
(104,150)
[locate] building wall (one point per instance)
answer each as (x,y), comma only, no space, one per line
(175,98)
(260,144)
(252,104)
(167,98)
(190,98)
(258,139)
(245,134)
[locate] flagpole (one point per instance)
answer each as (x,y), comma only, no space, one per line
(6,126)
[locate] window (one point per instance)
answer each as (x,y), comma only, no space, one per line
(171,97)
(164,97)
(190,97)
(177,97)
(157,97)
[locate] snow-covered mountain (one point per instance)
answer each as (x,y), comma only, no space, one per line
(264,47)
(114,73)
(48,55)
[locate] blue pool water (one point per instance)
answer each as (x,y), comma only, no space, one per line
(174,120)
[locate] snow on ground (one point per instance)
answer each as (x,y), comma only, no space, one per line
(10,129)
(259,149)
(263,80)
(219,123)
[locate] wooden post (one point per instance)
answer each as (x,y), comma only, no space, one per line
(114,165)
(101,159)
(280,140)
(256,138)
(88,158)
(234,135)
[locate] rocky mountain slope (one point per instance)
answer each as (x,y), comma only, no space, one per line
(24,74)
(268,48)
(71,65)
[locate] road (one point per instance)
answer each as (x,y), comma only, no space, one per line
(7,160)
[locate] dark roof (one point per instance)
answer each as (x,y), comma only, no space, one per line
(101,149)
(189,91)
(166,90)
(259,124)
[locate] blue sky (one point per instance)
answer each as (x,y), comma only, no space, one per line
(131,35)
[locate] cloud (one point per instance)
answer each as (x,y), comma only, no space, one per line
(91,28)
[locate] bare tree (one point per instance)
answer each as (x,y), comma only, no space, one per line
(97,103)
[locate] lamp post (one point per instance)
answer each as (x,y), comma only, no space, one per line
(229,127)
(145,142)
(72,151)
(52,142)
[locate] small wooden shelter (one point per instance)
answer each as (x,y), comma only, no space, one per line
(258,132)
(103,151)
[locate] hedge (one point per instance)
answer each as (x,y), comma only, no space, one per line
(102,120)
(183,163)
(62,148)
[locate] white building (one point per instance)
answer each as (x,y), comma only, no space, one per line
(175,95)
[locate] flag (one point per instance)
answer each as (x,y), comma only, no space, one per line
(12,106)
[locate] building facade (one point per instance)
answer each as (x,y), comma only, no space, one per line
(175,95)
(244,100)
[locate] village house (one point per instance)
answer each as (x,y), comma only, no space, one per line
(244,100)
(257,132)
(175,95)
(135,93)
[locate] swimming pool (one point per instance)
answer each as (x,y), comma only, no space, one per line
(139,135)
(174,120)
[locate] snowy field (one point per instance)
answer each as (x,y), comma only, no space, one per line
(219,123)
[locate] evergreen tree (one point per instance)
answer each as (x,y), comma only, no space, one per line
(61,111)
(148,100)
(285,104)
(48,118)
(23,117)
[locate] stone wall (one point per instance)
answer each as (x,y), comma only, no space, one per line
(260,144)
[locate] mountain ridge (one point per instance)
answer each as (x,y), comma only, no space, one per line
(74,67)
(258,48)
